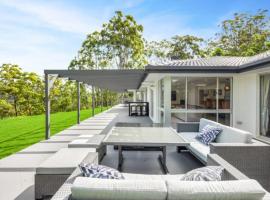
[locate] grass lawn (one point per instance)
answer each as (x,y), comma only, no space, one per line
(16,133)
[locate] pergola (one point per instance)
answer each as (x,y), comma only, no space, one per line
(117,80)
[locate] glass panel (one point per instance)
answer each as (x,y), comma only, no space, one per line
(178,93)
(152,103)
(202,93)
(161,117)
(224,118)
(177,117)
(265,106)
(195,117)
(224,93)
(162,93)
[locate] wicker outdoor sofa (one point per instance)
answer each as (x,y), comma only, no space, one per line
(147,187)
(236,146)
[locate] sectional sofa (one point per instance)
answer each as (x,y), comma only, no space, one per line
(234,185)
(234,145)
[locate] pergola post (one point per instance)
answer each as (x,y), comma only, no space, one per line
(78,103)
(49,80)
(47,107)
(134,95)
(101,100)
(93,100)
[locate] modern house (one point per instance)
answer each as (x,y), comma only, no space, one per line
(230,90)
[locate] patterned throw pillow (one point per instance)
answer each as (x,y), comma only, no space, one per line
(100,171)
(208,134)
(209,173)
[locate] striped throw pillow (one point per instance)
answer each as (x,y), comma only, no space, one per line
(100,171)
(209,173)
(208,134)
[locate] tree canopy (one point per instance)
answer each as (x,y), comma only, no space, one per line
(243,35)
(120,44)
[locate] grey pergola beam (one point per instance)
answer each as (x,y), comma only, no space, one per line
(67,73)
(93,100)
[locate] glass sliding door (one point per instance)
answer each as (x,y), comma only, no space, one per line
(178,95)
(151,103)
(201,93)
(265,105)
(193,98)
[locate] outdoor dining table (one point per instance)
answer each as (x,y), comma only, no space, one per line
(144,137)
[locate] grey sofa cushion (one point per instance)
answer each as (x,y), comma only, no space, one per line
(110,189)
(233,135)
(212,190)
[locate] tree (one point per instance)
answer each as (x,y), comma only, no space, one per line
(178,47)
(22,90)
(186,47)
(122,37)
(10,76)
(5,109)
(243,35)
(119,44)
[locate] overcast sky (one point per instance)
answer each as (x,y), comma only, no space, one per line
(40,35)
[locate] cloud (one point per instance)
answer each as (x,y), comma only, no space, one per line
(55,15)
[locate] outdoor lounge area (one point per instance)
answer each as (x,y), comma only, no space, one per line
(50,169)
(183,135)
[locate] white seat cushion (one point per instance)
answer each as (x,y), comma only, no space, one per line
(85,188)
(189,136)
(200,149)
(212,190)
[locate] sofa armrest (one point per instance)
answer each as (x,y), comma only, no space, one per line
(230,172)
(250,159)
(188,127)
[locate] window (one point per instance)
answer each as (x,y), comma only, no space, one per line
(152,103)
(193,98)
(224,96)
(202,93)
(178,99)
(195,117)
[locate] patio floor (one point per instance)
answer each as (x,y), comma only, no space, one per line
(21,178)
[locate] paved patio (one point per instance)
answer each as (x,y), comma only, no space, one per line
(17,181)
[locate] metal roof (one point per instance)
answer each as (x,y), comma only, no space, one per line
(212,64)
(118,80)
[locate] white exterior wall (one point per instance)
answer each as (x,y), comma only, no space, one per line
(167,101)
(246,102)
(154,87)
